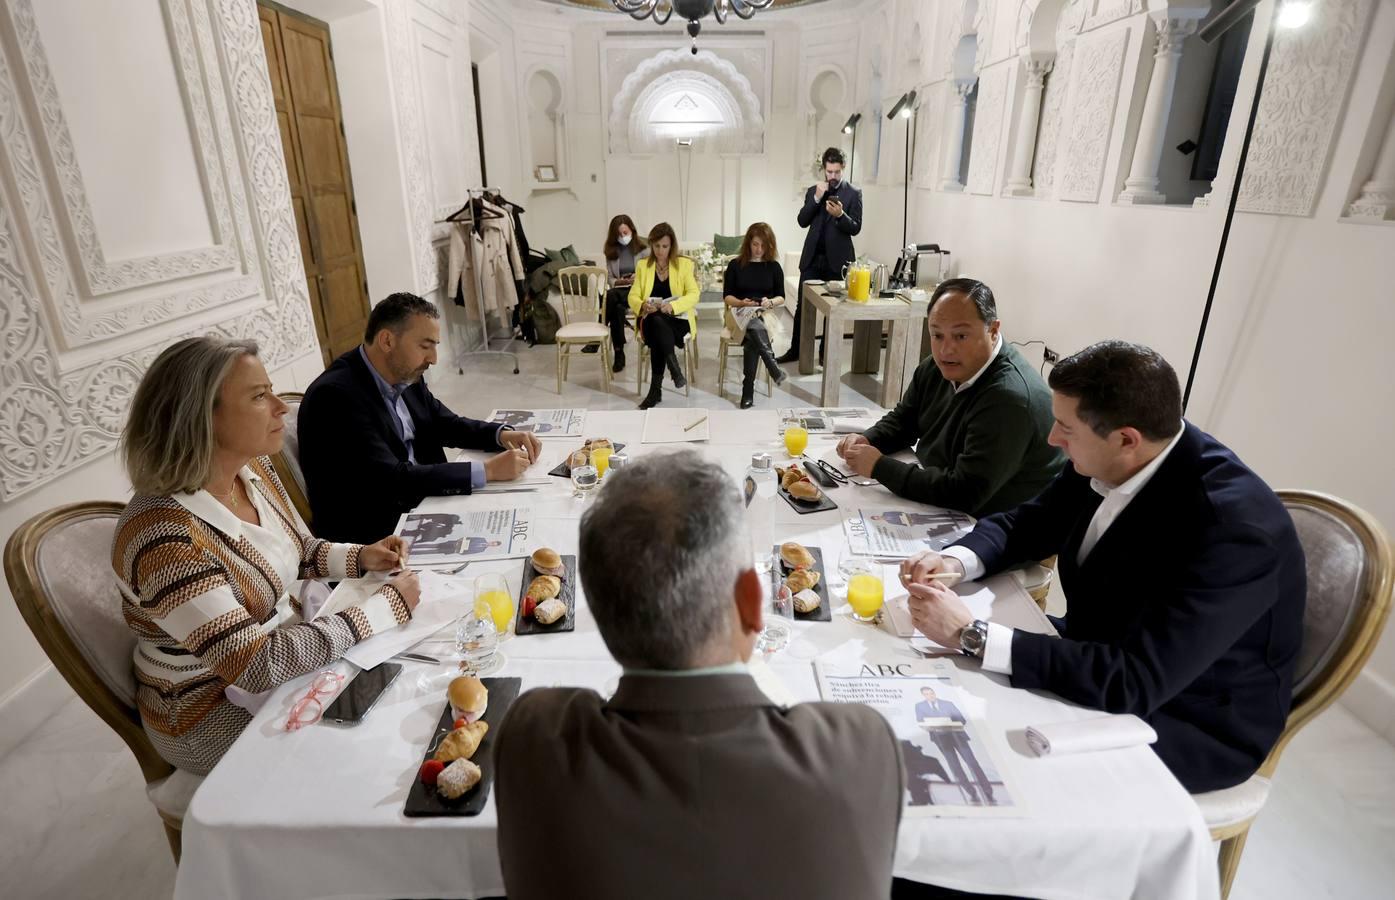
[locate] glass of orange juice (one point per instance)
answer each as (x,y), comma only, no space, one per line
(865,593)
(796,436)
(600,458)
(493,600)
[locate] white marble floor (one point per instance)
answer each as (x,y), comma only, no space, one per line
(75,823)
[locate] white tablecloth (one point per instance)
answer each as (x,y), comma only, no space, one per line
(318,812)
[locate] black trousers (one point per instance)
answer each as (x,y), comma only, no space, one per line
(617,304)
(662,334)
(955,745)
(818,269)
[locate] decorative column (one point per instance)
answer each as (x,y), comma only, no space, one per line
(1019,182)
(1142,184)
(954,153)
(1377,200)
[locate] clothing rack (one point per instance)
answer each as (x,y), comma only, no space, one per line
(466,216)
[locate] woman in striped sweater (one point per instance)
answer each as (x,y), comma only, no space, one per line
(206,550)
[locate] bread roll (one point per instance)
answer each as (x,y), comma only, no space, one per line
(796,555)
(806,601)
(801,579)
(462,742)
(544,587)
(549,611)
(790,476)
(804,490)
(547,561)
(457,778)
(469,698)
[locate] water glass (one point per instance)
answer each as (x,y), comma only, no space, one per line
(584,480)
(779,618)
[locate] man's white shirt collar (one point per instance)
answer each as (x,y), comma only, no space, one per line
(1143,475)
(969,382)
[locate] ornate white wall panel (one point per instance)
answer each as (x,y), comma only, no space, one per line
(411,128)
(54,417)
(929,128)
(988,129)
(1099,61)
(1053,106)
(116,298)
(1304,92)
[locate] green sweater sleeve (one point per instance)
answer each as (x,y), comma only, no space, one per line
(994,444)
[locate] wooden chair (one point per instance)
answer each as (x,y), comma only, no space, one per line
(1351,573)
(58,565)
(287,462)
(583,318)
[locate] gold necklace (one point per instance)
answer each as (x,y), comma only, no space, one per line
(230,498)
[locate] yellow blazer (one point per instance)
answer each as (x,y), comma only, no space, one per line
(681,283)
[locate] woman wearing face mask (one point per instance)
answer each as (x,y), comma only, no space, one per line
(754,283)
(623,246)
(663,298)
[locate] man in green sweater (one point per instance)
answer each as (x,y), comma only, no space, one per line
(976,412)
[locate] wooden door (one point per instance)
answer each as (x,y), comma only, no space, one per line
(304,88)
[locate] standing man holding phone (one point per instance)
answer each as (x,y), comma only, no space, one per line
(832,213)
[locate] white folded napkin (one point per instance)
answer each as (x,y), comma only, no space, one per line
(850,426)
(1089,735)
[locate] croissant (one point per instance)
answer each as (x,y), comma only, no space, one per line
(462,742)
(790,476)
(806,601)
(801,580)
(544,587)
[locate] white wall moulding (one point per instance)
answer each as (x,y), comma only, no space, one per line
(929,131)
(1099,62)
(55,416)
(114,298)
(1102,12)
(988,129)
(715,80)
(1305,92)
(954,137)
(1377,200)
(1171,33)
(1034,72)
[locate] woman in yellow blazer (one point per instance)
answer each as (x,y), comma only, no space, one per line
(664,299)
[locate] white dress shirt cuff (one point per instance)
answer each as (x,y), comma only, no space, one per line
(973,566)
(997,650)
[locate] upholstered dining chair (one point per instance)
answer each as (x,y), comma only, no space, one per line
(583,318)
(58,565)
(287,462)
(1351,574)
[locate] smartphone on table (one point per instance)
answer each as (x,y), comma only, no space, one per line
(360,695)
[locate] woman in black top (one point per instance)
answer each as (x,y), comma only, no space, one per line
(754,283)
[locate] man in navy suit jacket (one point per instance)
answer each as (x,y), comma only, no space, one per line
(1182,570)
(373,437)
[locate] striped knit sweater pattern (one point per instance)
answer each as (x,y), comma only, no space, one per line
(207,608)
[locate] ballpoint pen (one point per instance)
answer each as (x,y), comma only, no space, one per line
(688,428)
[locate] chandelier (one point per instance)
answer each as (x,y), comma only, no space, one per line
(692,10)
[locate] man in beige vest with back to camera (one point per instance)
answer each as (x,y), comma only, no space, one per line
(689,782)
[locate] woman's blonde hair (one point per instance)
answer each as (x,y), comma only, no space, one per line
(167,445)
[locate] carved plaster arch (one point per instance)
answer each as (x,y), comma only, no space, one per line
(750,138)
(561,82)
(643,140)
(847,100)
(960,26)
(983,31)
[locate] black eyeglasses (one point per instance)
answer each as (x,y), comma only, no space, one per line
(832,473)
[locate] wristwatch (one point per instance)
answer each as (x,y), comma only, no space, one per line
(974,638)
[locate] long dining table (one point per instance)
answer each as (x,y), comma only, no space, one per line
(318,811)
